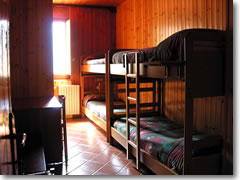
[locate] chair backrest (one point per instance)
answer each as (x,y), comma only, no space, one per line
(61,99)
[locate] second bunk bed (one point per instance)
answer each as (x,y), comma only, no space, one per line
(93,98)
(93,80)
(93,95)
(193,56)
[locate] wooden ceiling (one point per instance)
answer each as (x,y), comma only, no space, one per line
(113,3)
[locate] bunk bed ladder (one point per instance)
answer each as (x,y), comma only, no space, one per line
(137,101)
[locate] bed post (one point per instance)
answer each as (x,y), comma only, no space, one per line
(188,130)
(154,96)
(108,97)
(81,87)
(162,96)
(159,91)
(188,121)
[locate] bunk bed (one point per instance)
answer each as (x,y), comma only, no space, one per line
(93,102)
(194,56)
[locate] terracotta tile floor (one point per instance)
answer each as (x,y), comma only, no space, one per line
(90,154)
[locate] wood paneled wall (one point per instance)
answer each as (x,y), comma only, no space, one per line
(209,115)
(97,84)
(31,48)
(92,32)
(145,23)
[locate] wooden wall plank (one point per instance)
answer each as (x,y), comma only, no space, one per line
(183,20)
(203,13)
(31,48)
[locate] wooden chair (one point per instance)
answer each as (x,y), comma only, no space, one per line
(61,99)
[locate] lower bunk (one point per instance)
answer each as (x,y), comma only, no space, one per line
(94,107)
(162,146)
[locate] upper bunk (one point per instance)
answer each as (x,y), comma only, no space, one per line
(195,56)
(97,64)
(94,64)
(192,55)
(192,46)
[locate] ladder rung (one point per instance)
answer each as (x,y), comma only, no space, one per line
(132,75)
(132,122)
(132,144)
(132,99)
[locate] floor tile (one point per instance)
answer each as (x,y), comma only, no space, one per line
(82,147)
(110,169)
(75,163)
(122,155)
(80,171)
(128,171)
(87,155)
(89,141)
(118,162)
(91,165)
(94,149)
(75,139)
(76,160)
(111,152)
(131,164)
(97,173)
(73,152)
(101,158)
(103,145)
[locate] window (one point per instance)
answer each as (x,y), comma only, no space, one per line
(61,49)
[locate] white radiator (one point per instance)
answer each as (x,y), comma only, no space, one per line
(72,94)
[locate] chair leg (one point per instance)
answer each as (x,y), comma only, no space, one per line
(65,144)
(64,126)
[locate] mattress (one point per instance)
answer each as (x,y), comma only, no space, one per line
(99,108)
(94,59)
(164,140)
(97,105)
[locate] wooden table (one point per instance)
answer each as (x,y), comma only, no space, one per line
(41,116)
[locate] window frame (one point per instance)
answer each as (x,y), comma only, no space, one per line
(63,76)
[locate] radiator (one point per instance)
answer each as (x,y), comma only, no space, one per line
(72,103)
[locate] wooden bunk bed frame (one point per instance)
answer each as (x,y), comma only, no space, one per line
(95,70)
(203,73)
(99,70)
(91,71)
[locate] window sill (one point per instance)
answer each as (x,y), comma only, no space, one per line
(62,77)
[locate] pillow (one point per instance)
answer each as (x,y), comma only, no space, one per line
(172,48)
(90,57)
(118,57)
(93,97)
